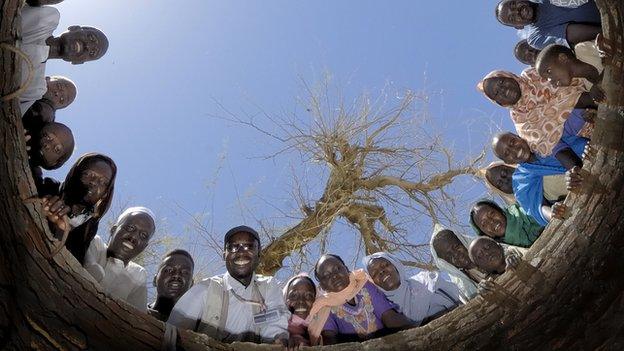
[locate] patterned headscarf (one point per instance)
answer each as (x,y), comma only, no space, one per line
(542,109)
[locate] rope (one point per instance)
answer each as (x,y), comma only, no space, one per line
(29,64)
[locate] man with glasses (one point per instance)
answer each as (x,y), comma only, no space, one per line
(238,305)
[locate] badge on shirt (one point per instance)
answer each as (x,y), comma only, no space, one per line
(267,316)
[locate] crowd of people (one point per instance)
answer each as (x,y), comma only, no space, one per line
(552,104)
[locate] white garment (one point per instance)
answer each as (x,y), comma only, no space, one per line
(420,296)
(189,309)
(588,52)
(467,287)
(128,283)
(38,24)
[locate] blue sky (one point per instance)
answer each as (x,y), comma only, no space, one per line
(149,102)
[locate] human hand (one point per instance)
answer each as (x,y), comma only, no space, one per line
(512,260)
(589,115)
(56,212)
(574,179)
(597,94)
(486,287)
(295,342)
(27,138)
(559,210)
(589,152)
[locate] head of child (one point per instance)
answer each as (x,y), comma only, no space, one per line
(53,146)
(516,13)
(241,253)
(300,296)
(332,273)
(175,275)
(501,178)
(131,233)
(487,255)
(511,148)
(449,248)
(501,88)
(555,64)
(61,91)
(90,181)
(384,274)
(79,44)
(525,53)
(489,219)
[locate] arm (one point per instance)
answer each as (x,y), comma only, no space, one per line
(568,158)
(91,264)
(586,101)
(579,32)
(396,320)
(329,337)
(138,298)
(189,308)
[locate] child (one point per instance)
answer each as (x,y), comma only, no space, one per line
(49,145)
(525,53)
(449,252)
(538,109)
(351,308)
(75,207)
(532,179)
(174,278)
(511,225)
(497,177)
(299,296)
(112,265)
(491,257)
(422,297)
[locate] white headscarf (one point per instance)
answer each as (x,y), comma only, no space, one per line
(135,209)
(467,287)
(414,294)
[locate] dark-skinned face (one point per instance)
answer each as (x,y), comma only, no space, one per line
(490,220)
(55,141)
(333,275)
(131,236)
(61,92)
(558,71)
(453,251)
(511,148)
(300,297)
(241,255)
(517,13)
(82,44)
(504,90)
(174,277)
(488,255)
(501,178)
(384,274)
(526,54)
(95,179)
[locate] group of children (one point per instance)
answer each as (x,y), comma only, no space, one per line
(552,105)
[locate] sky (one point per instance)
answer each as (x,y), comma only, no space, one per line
(150,103)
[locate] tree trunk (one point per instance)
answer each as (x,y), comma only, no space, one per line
(567,294)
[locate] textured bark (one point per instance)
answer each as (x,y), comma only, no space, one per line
(568,294)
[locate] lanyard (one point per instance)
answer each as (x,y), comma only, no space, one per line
(260,303)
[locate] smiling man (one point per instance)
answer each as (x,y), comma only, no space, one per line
(238,305)
(174,278)
(112,265)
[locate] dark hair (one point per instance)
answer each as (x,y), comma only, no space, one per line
(70,148)
(327,255)
(441,236)
(180,252)
(499,137)
(497,12)
(517,48)
(473,211)
(305,277)
(549,55)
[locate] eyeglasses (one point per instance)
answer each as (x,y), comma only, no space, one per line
(234,248)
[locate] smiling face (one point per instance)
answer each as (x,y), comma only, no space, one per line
(61,92)
(95,178)
(525,53)
(56,144)
(241,255)
(449,248)
(511,148)
(300,297)
(488,255)
(504,90)
(516,13)
(557,70)
(332,274)
(131,235)
(81,44)
(174,277)
(384,274)
(491,220)
(501,178)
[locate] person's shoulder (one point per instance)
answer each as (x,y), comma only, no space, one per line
(46,13)
(137,271)
(265,279)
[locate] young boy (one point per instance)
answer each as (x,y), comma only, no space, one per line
(525,53)
(511,225)
(546,23)
(49,145)
(174,278)
(112,265)
(491,257)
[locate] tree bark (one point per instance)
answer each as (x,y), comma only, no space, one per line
(568,293)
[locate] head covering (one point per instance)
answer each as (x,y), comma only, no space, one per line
(542,110)
(467,287)
(414,294)
(323,304)
(296,324)
(135,209)
(508,198)
(239,229)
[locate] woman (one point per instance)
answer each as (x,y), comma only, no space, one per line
(299,296)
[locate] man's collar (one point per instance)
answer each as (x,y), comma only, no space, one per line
(231,283)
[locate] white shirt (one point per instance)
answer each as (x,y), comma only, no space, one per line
(38,24)
(128,283)
(190,307)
